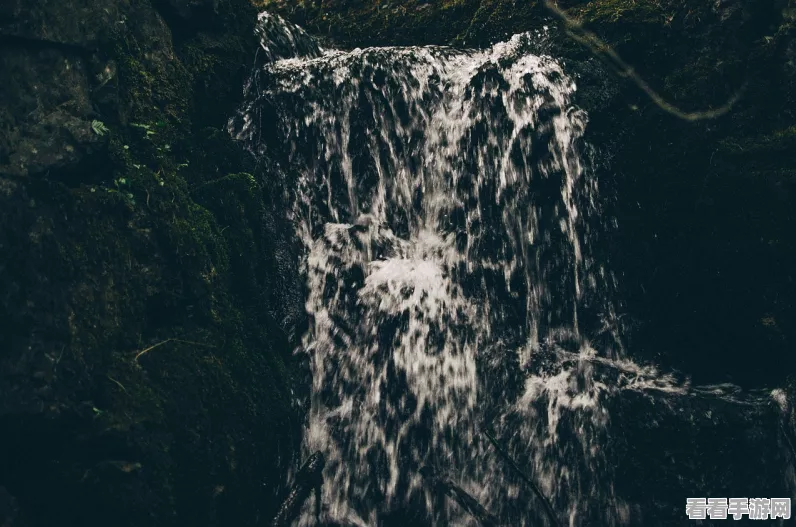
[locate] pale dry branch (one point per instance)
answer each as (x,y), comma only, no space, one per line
(603,51)
(162,342)
(117,383)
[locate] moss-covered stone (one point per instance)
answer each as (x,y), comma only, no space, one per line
(409,22)
(147,278)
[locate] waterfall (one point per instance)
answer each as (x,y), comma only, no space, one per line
(450,218)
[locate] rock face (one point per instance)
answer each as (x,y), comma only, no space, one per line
(147,279)
(45,136)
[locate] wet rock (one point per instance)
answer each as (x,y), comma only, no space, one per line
(280,39)
(110,120)
(79,23)
(727,9)
(10,513)
(187,9)
(59,96)
(48,124)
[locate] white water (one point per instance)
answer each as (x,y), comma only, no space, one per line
(449,222)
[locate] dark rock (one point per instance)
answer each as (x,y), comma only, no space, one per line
(188,9)
(10,514)
(280,39)
(56,57)
(131,221)
(49,125)
(726,9)
(80,23)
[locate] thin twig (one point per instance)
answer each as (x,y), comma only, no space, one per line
(162,342)
(460,497)
(602,50)
(150,348)
(547,507)
(117,383)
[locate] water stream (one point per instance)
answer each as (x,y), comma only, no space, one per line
(450,218)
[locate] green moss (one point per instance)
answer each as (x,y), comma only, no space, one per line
(125,275)
(151,90)
(398,22)
(778,142)
(626,11)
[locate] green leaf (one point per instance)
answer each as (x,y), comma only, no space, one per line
(99,128)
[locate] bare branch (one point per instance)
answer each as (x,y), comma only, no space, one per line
(461,497)
(162,342)
(120,385)
(547,507)
(602,50)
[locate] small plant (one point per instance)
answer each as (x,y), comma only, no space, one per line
(120,188)
(99,128)
(147,129)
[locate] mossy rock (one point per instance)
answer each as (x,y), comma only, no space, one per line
(148,280)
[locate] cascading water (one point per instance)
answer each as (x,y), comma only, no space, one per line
(449,219)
